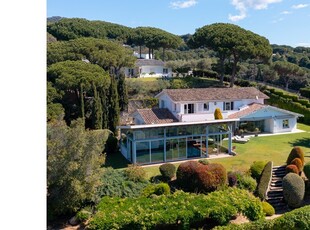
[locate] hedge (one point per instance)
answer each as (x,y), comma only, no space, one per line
(167,170)
(305,92)
(298,163)
(268,209)
(297,219)
(264,181)
(256,169)
(293,190)
(177,211)
(296,152)
(291,169)
(307,170)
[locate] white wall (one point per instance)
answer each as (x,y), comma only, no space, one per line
(158,70)
(278,127)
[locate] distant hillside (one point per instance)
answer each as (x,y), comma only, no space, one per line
(54,19)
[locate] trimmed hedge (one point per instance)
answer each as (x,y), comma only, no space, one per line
(156,189)
(256,169)
(268,209)
(296,152)
(186,178)
(305,92)
(297,219)
(264,181)
(291,169)
(293,190)
(298,163)
(177,211)
(307,170)
(232,179)
(167,170)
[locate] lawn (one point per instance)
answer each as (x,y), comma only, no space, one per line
(269,148)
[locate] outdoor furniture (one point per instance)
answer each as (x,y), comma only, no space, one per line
(238,139)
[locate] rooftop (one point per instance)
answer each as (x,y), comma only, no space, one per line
(204,94)
(149,62)
(252,108)
(156,116)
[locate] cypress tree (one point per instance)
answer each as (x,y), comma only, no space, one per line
(122,92)
(114,111)
(97,110)
(105,110)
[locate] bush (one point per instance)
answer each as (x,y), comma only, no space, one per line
(298,164)
(156,189)
(111,144)
(167,170)
(186,178)
(210,177)
(293,190)
(256,169)
(291,169)
(232,179)
(268,209)
(246,182)
(135,173)
(296,152)
(307,170)
(204,161)
(264,181)
(83,215)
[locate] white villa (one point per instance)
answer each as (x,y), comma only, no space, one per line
(184,127)
(148,68)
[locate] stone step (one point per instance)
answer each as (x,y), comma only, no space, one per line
(278,170)
(279,189)
(274,193)
(276,178)
(278,174)
(278,197)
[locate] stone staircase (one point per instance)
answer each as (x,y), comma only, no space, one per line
(275,193)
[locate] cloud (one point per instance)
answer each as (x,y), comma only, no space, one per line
(277,20)
(286,12)
(304,44)
(299,6)
(182,4)
(243,5)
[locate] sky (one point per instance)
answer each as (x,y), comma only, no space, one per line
(282,22)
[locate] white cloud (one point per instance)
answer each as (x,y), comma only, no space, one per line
(182,4)
(286,12)
(243,5)
(299,6)
(277,20)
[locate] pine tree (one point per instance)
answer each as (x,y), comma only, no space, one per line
(114,111)
(122,92)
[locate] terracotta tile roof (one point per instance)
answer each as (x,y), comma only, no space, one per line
(156,116)
(149,62)
(252,108)
(203,94)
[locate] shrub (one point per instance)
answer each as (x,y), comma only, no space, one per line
(232,179)
(298,163)
(268,209)
(135,173)
(111,144)
(218,114)
(264,181)
(116,183)
(246,182)
(83,215)
(204,161)
(210,177)
(156,189)
(296,152)
(293,190)
(186,175)
(167,170)
(256,169)
(307,170)
(291,169)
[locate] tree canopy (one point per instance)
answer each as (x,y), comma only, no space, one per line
(231,41)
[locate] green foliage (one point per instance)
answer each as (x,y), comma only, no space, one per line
(218,114)
(204,161)
(156,189)
(116,183)
(111,145)
(232,179)
(307,170)
(292,168)
(74,157)
(298,163)
(246,182)
(122,92)
(293,190)
(84,214)
(296,152)
(135,173)
(268,209)
(175,211)
(256,169)
(167,170)
(297,219)
(264,181)
(114,109)
(305,92)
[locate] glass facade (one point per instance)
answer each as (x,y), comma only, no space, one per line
(164,144)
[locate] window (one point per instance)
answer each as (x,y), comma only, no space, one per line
(162,104)
(175,107)
(165,71)
(189,108)
(285,124)
(206,106)
(130,72)
(228,105)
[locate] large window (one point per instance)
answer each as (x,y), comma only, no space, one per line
(189,108)
(206,106)
(228,105)
(157,151)
(143,152)
(285,124)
